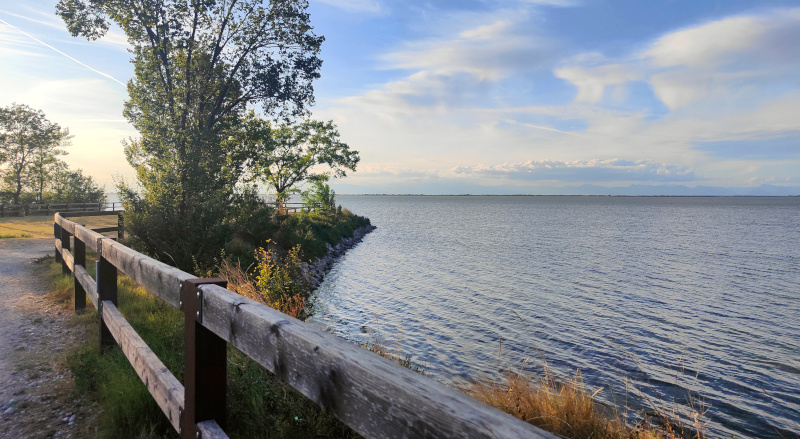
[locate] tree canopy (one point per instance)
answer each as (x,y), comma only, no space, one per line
(301,152)
(29,149)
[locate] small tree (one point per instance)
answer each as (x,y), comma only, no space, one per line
(319,195)
(28,145)
(298,150)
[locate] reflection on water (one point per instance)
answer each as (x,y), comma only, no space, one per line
(678,296)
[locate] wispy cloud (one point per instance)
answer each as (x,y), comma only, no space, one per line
(488,52)
(82,64)
(369,6)
(596,170)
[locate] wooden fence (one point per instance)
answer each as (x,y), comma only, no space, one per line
(375,397)
(51,208)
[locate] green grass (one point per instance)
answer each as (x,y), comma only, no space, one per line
(42,226)
(259,404)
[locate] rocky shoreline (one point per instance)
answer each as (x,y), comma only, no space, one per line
(317,269)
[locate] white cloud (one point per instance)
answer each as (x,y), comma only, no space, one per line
(488,52)
(592,81)
(711,43)
(725,61)
(370,6)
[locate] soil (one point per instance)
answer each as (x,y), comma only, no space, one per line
(37,396)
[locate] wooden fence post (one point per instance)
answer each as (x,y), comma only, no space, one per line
(65,245)
(57,235)
(205,363)
(106,274)
(79,256)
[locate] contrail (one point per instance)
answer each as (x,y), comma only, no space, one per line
(62,53)
(541,127)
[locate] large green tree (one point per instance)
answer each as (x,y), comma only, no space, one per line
(199,64)
(29,146)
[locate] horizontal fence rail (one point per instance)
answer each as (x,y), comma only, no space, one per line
(42,209)
(372,395)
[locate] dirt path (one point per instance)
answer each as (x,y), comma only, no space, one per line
(36,397)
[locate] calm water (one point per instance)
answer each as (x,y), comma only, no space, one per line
(673,296)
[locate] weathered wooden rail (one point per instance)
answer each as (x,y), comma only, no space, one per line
(43,209)
(375,397)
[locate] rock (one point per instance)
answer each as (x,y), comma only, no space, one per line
(9,411)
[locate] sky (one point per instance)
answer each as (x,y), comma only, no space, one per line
(492,97)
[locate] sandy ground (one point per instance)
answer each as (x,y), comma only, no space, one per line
(37,399)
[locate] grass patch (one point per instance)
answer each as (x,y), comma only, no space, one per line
(259,404)
(42,226)
(16,235)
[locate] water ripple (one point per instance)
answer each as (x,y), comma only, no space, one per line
(676,297)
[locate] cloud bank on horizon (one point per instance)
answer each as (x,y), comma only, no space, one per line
(482,96)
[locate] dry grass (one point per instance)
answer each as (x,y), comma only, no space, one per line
(42,226)
(568,409)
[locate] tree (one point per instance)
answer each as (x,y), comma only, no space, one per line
(319,195)
(44,165)
(67,186)
(28,144)
(198,65)
(299,151)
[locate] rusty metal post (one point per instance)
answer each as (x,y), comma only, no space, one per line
(79,254)
(65,245)
(106,274)
(205,363)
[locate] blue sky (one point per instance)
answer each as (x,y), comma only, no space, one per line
(536,96)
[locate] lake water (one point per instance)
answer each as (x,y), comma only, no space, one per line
(665,297)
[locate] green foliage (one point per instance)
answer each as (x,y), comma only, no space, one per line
(197,68)
(67,186)
(281,282)
(297,150)
(319,195)
(269,408)
(29,150)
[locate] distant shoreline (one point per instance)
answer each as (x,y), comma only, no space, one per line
(572,195)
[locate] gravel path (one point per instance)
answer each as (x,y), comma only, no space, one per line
(36,390)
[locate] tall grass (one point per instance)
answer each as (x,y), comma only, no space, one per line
(566,407)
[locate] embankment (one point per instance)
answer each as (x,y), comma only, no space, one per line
(316,269)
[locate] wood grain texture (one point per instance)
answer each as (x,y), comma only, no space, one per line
(88,237)
(89,285)
(66,255)
(162,385)
(374,396)
(210,430)
(159,278)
